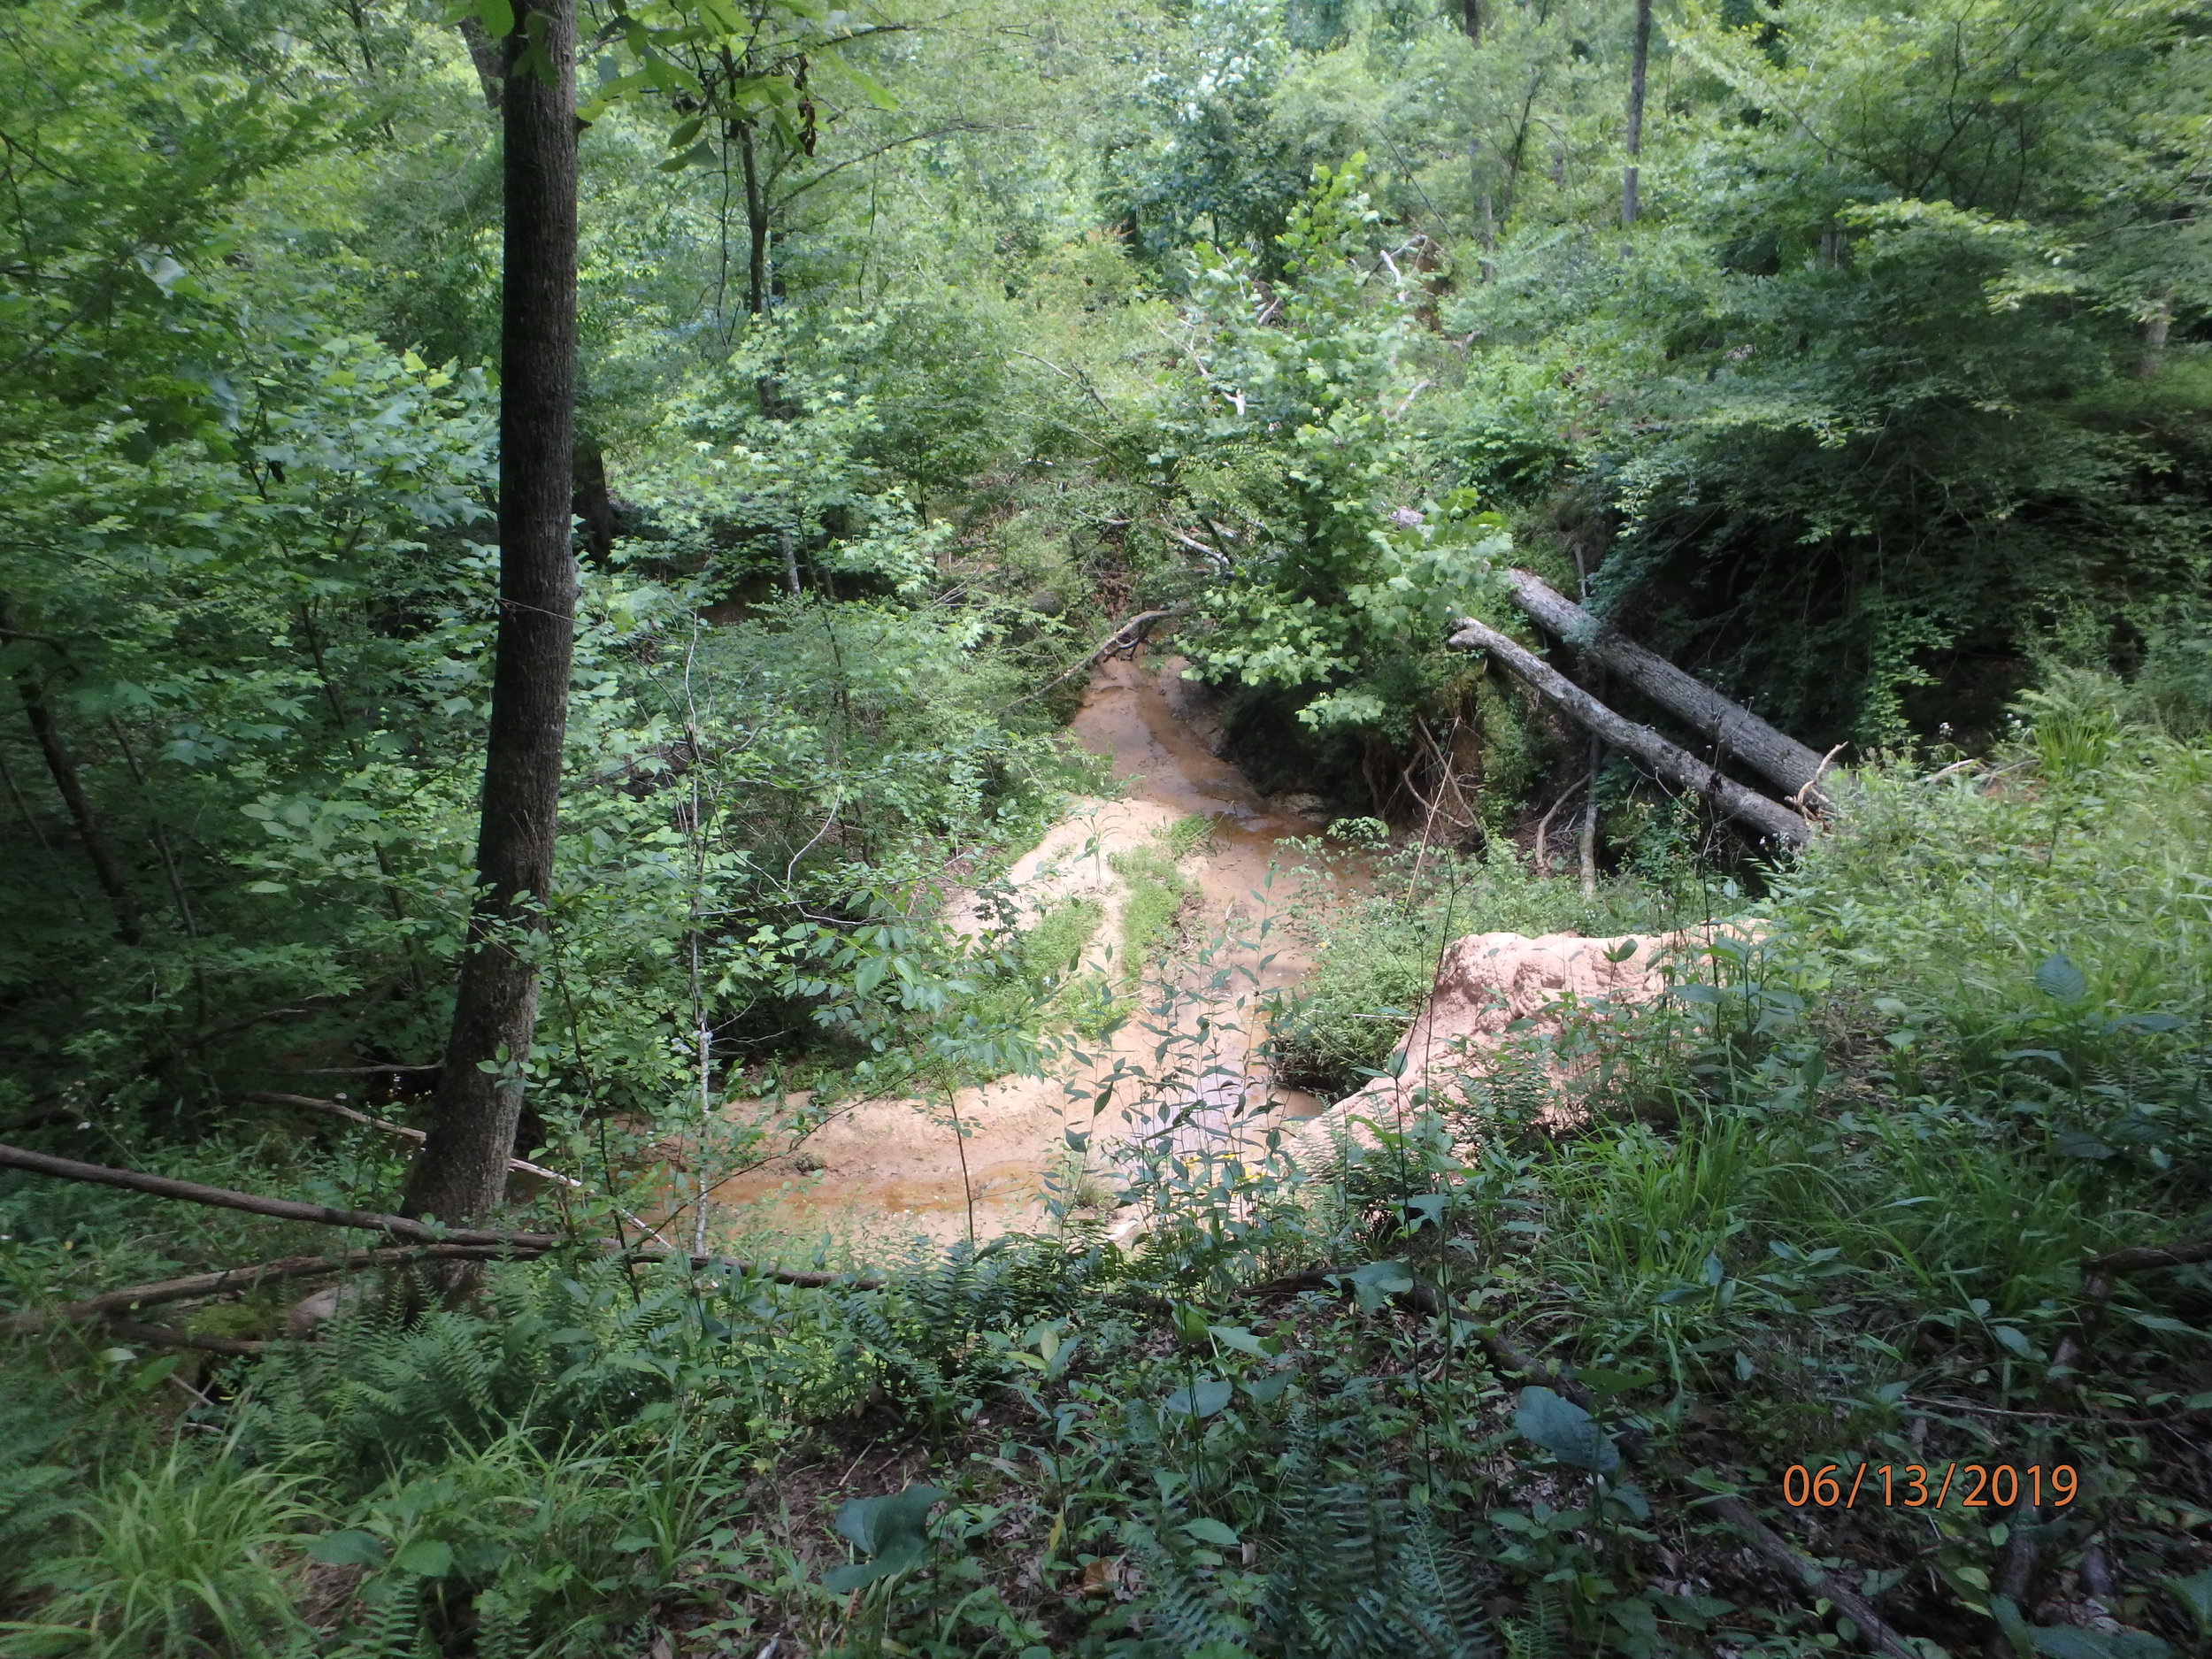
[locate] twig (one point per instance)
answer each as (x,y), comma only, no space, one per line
(1812,783)
(1954,767)
(1078,378)
(367,1070)
(1543,825)
(1112,642)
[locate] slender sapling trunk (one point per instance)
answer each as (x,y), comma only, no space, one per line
(1638,61)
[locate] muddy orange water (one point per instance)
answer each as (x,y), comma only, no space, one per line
(890,1170)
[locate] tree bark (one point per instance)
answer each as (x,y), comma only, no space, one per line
(1470,19)
(1586,843)
(461,1172)
(1780,758)
(593,503)
(1638,63)
(1676,766)
(194,1286)
(486,55)
(283,1208)
(98,850)
(756,294)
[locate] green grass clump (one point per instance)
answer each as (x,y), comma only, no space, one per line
(1054,948)
(1157,887)
(192,1556)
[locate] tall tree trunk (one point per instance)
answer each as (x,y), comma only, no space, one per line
(593,503)
(1638,63)
(461,1172)
(1470,19)
(1516,156)
(757,297)
(98,850)
(1485,224)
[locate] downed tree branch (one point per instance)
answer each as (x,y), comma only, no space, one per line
(1676,766)
(1774,755)
(230,1278)
(253,1203)
(396,1227)
(168,1336)
(2143,1257)
(1122,636)
(1421,1299)
(2097,1274)
(520,1166)
(1873,1629)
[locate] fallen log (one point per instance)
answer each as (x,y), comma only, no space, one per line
(1678,767)
(1733,728)
(253,1203)
(394,1226)
(168,1336)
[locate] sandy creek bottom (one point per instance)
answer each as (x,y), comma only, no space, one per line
(891,1170)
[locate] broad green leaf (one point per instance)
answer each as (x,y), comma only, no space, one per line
(2148,1022)
(348,1548)
(2066,1641)
(1202,1399)
(892,1529)
(2056,976)
(428,1556)
(2165,1323)
(2195,1594)
(1377,1282)
(1564,1430)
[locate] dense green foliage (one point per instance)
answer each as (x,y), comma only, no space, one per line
(920,348)
(1827,1205)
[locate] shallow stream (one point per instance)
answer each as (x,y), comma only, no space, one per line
(896,1168)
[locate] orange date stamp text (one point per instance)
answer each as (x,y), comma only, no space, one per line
(1929,1486)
